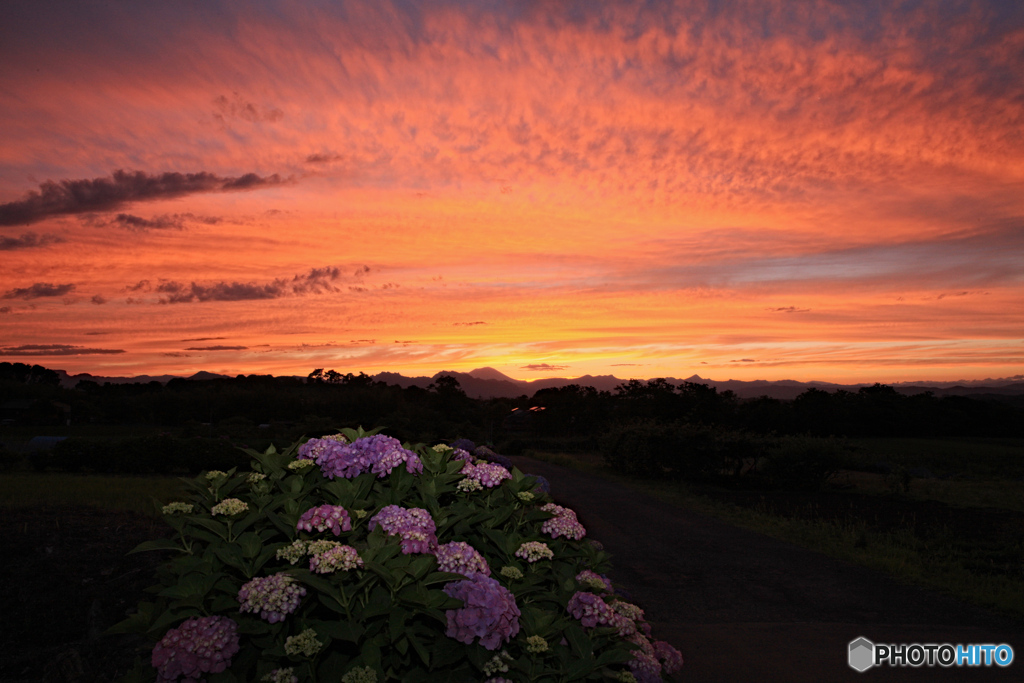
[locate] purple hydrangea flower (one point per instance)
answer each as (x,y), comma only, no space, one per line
(488,474)
(459,454)
(645,665)
(464,444)
(489,612)
(414,525)
(199,646)
(274,597)
(671,658)
(378,454)
(461,558)
(564,523)
(594,580)
(591,610)
(324,517)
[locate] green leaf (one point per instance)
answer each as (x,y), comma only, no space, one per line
(136,623)
(157,544)
(213,525)
(250,544)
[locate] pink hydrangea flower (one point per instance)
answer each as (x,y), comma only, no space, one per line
(414,525)
(324,517)
(488,474)
(461,558)
(273,597)
(201,645)
(591,610)
(489,613)
(459,454)
(564,523)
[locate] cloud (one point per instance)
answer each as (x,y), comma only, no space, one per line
(316,281)
(236,107)
(5,309)
(322,158)
(789,309)
(199,339)
(543,367)
(99,299)
(55,350)
(28,240)
(39,290)
(216,348)
(475,322)
(65,197)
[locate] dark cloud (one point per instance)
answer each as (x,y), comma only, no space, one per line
(322,158)
(475,322)
(236,107)
(543,367)
(138,224)
(5,309)
(141,285)
(176,354)
(744,360)
(316,281)
(28,241)
(199,339)
(38,291)
(99,299)
(64,197)
(54,350)
(789,309)
(216,348)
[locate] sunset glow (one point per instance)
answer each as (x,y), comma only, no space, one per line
(750,190)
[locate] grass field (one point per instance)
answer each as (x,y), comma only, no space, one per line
(108,492)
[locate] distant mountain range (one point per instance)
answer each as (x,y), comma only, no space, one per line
(490,383)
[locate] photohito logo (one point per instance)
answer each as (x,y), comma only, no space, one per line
(863,654)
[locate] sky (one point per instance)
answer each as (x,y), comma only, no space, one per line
(769,189)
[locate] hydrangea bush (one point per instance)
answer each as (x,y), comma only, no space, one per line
(358,559)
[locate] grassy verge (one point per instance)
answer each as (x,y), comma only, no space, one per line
(958,566)
(109,492)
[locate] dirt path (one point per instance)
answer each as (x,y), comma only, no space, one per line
(745,607)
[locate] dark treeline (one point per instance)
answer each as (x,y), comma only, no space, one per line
(325,400)
(648,428)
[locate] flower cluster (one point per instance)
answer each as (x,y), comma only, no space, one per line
(171,508)
(414,525)
(360,674)
(304,644)
(201,645)
(525,496)
(214,475)
(564,523)
(511,573)
(671,658)
(343,557)
(459,454)
(592,611)
(229,507)
(594,581)
(536,644)
(255,478)
(497,664)
(531,551)
(489,612)
(461,558)
(296,465)
(468,485)
(324,517)
(488,474)
(281,676)
(378,454)
(294,552)
(274,597)
(442,447)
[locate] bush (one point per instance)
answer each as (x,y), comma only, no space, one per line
(682,451)
(801,463)
(365,560)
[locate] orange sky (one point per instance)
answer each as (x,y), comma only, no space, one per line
(749,190)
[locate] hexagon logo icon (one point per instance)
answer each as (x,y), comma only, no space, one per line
(862,654)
